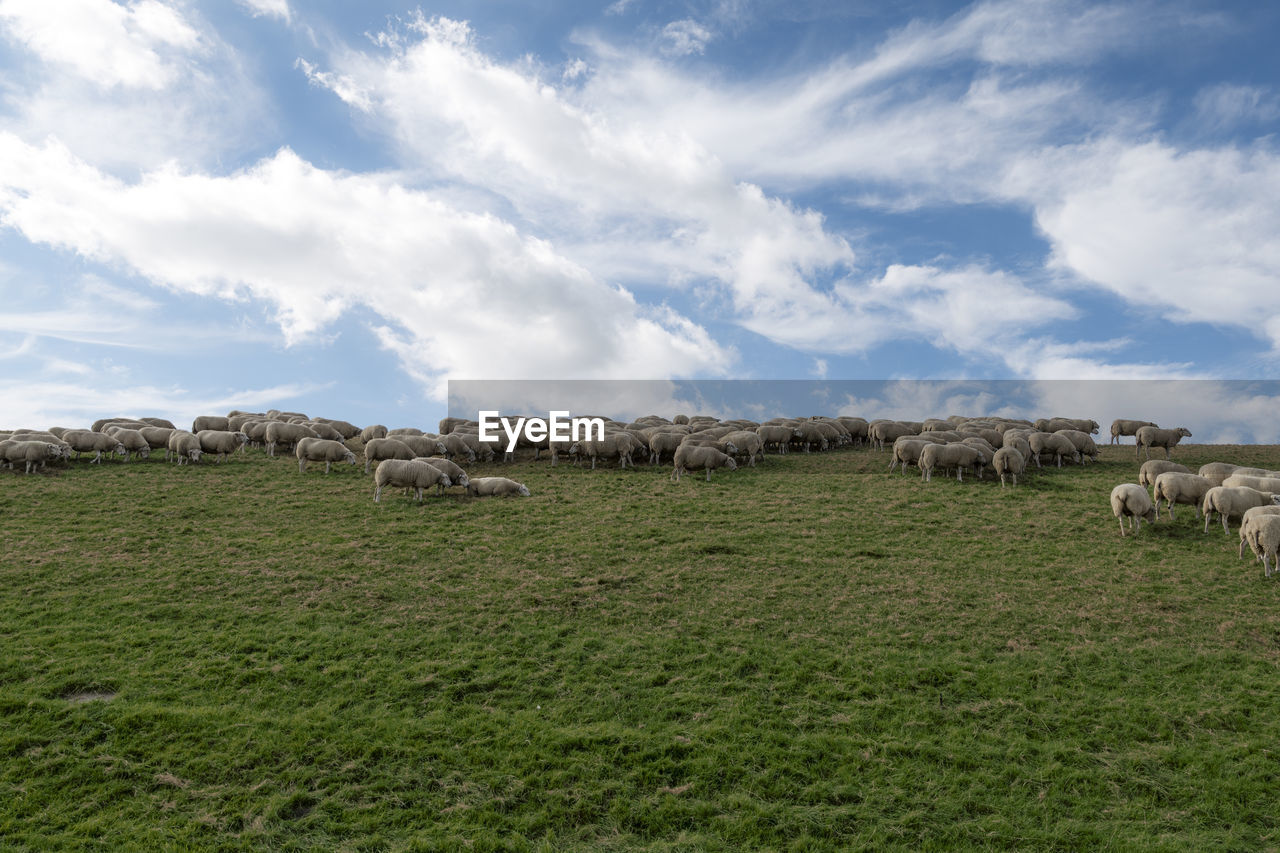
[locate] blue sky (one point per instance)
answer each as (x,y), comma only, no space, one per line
(337,207)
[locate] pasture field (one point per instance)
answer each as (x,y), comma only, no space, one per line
(809,655)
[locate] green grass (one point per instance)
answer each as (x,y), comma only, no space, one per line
(810,655)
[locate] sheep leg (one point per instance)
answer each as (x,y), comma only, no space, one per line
(326,466)
(1121,519)
(1225,529)
(1208,516)
(377,493)
(302,466)
(708,474)
(1170,508)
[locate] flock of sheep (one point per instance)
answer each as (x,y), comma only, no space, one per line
(415,460)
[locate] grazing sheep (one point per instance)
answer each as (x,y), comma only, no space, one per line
(184,446)
(1217,471)
(324,430)
(1055,424)
(1007,460)
(324,450)
(210,422)
(1121,427)
(158,422)
(407,473)
(907,450)
(133,442)
(1247,520)
(450,469)
(373,431)
(399,431)
(1153,468)
(86,441)
(33,454)
(1149,437)
(889,431)
(157,438)
(484,487)
(379,449)
(452,444)
(1262,484)
(693,457)
(421,445)
(665,443)
(617,445)
(746,442)
(1132,500)
(1232,501)
(1051,442)
(957,456)
(346,429)
(279,432)
(1175,487)
(1082,442)
(1263,537)
(222,442)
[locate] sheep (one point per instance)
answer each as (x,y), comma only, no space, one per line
(1149,437)
(1247,520)
(256,431)
(857,428)
(210,422)
(157,438)
(888,431)
(221,441)
(133,442)
(1007,460)
(1232,500)
(1153,468)
(184,446)
(346,429)
(618,446)
(1264,537)
(450,469)
(907,450)
(324,450)
(158,422)
(379,449)
(421,445)
(33,454)
(1262,484)
(373,431)
(1132,500)
(399,431)
(1082,442)
(279,432)
(483,487)
(1121,427)
(85,441)
(1055,424)
(748,442)
(451,445)
(1175,487)
(1051,442)
(665,443)
(324,430)
(692,457)
(949,455)
(408,473)
(1217,471)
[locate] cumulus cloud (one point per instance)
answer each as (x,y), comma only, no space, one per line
(458,293)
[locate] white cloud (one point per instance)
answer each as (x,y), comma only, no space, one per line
(685,37)
(106,43)
(459,294)
(1224,106)
(270,8)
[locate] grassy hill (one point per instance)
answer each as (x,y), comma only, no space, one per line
(809,655)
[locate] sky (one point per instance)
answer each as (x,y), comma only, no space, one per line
(338,208)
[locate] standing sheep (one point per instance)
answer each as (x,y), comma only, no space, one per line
(1052,443)
(97,443)
(279,432)
(1132,500)
(958,456)
(1008,460)
(210,422)
(1149,437)
(450,469)
(1153,468)
(1232,501)
(408,473)
(373,431)
(379,449)
(1121,427)
(1217,471)
(692,457)
(33,454)
(184,446)
(1264,538)
(220,441)
(324,450)
(133,441)
(1247,520)
(1174,487)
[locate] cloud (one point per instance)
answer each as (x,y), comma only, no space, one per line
(684,37)
(456,293)
(270,8)
(1225,106)
(106,43)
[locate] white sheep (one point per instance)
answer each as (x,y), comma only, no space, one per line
(33,454)
(450,469)
(452,444)
(957,456)
(184,446)
(694,457)
(1121,427)
(1230,501)
(1082,442)
(1153,468)
(664,444)
(97,443)
(1149,437)
(324,450)
(1051,442)
(407,473)
(221,441)
(133,441)
(1217,471)
(373,431)
(618,445)
(1247,520)
(210,422)
(379,449)
(1264,538)
(279,432)
(1175,487)
(1132,500)
(747,442)
(1007,460)
(483,487)
(907,450)
(1262,484)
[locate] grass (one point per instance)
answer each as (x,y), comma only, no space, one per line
(810,655)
